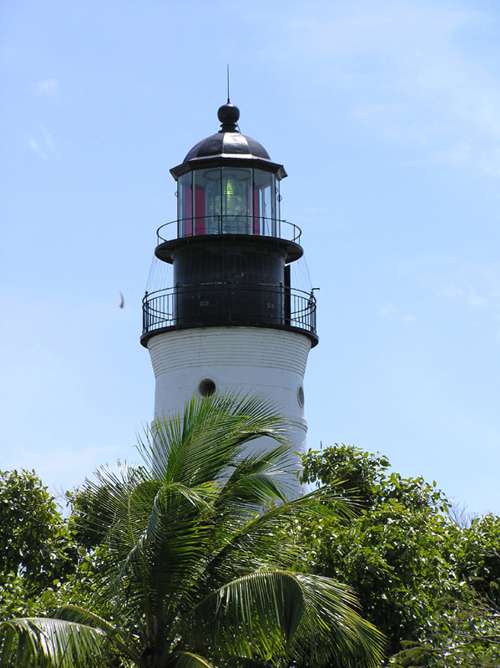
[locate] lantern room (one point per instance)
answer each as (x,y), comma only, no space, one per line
(227,184)
(228,200)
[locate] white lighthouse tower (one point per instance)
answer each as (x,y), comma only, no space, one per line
(231,321)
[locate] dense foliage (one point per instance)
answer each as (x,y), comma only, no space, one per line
(431,585)
(33,536)
(191,570)
(36,549)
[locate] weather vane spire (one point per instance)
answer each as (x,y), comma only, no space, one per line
(227,73)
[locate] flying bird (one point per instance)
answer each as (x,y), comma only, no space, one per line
(122,301)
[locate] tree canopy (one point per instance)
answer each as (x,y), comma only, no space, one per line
(430,582)
(431,585)
(193,568)
(36,549)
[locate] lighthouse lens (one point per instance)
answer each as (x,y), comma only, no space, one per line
(237,200)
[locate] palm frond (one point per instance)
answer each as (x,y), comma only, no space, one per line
(164,562)
(207,439)
(121,496)
(118,636)
(332,630)
(48,642)
(255,615)
(79,615)
(191,660)
(244,662)
(260,479)
(270,613)
(255,542)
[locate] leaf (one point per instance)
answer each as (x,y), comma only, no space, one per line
(271,612)
(122,640)
(190,660)
(37,641)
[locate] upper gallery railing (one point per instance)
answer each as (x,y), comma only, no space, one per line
(228,224)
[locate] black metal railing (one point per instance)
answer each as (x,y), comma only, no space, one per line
(228,224)
(229,304)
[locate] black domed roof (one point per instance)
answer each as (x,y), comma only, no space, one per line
(229,140)
(228,145)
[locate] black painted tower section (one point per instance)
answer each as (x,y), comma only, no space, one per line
(230,251)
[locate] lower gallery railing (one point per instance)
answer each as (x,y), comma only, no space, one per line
(229,304)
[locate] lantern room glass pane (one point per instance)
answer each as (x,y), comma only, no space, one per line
(278,198)
(237,200)
(264,203)
(185,205)
(207,201)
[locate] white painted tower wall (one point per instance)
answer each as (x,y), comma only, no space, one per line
(269,363)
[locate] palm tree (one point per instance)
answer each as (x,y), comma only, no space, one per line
(199,563)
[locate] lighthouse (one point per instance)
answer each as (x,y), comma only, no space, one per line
(231,321)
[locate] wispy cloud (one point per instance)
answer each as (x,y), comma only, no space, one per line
(42,143)
(473,287)
(473,284)
(409,72)
(46,87)
(467,295)
(37,148)
(392,312)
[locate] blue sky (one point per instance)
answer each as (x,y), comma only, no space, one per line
(387,118)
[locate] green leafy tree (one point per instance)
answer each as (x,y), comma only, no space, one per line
(192,570)
(36,548)
(465,634)
(91,514)
(479,560)
(415,571)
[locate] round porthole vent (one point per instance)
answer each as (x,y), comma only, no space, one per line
(300,396)
(206,387)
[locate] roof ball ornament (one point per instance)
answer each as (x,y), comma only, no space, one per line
(228,116)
